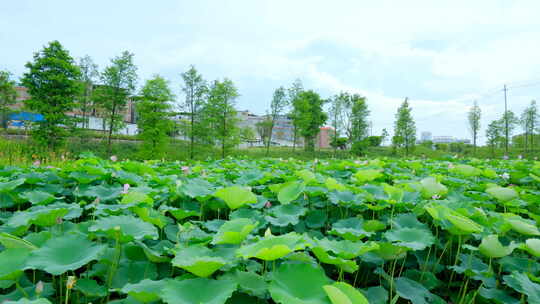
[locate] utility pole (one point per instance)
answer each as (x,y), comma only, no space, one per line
(505,122)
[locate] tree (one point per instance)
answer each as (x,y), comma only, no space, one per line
(8,96)
(277,106)
(195,90)
(359,125)
(494,134)
(337,107)
(384,136)
(309,117)
(52,84)
(89,73)
(293,92)
(154,116)
(118,82)
(509,122)
(529,121)
(264,128)
(247,135)
(473,117)
(404,128)
(220,114)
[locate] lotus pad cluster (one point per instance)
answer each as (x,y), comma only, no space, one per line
(271,231)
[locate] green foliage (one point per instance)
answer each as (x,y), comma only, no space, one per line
(195,90)
(118,82)
(51,80)
(219,115)
(268,230)
(154,122)
(8,95)
(89,73)
(309,116)
(404,128)
(473,117)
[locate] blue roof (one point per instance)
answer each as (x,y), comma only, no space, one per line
(26,116)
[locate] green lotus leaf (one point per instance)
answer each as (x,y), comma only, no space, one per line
(236,196)
(414,238)
(197,187)
(151,216)
(299,284)
(199,260)
(284,215)
(466,170)
(350,229)
(145,291)
(125,227)
(367,175)
(136,198)
(10,241)
(152,255)
(234,231)
(413,291)
(198,291)
(27,301)
(306,175)
(290,191)
(37,197)
(57,255)
(325,257)
(532,246)
(345,249)
(502,194)
(272,247)
(343,293)
(44,216)
(389,251)
(463,223)
(90,288)
(522,226)
(316,218)
(431,187)
(522,284)
(332,184)
(492,248)
(249,282)
(498,296)
(11,185)
(12,262)
(187,209)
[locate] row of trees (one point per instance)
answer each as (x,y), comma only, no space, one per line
(499,132)
(60,87)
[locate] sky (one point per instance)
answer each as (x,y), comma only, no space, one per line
(442,55)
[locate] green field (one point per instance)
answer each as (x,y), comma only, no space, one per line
(271,231)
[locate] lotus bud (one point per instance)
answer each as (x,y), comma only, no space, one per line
(97,201)
(268,232)
(71,282)
(37,162)
(505,157)
(520,156)
(59,220)
(435,197)
(126,188)
(267,205)
(116,228)
(185,169)
(39,287)
(450,166)
(114,158)
(505,175)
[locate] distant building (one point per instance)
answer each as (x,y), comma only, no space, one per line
(324,137)
(425,136)
(95,120)
(449,140)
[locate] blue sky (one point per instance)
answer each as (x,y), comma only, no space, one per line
(440,54)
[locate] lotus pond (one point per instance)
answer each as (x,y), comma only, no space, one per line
(271,231)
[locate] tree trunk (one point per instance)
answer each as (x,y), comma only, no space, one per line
(111,125)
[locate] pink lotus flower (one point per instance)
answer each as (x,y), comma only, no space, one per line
(114,158)
(185,169)
(450,166)
(126,188)
(97,201)
(39,287)
(505,157)
(267,205)
(59,220)
(37,162)
(436,197)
